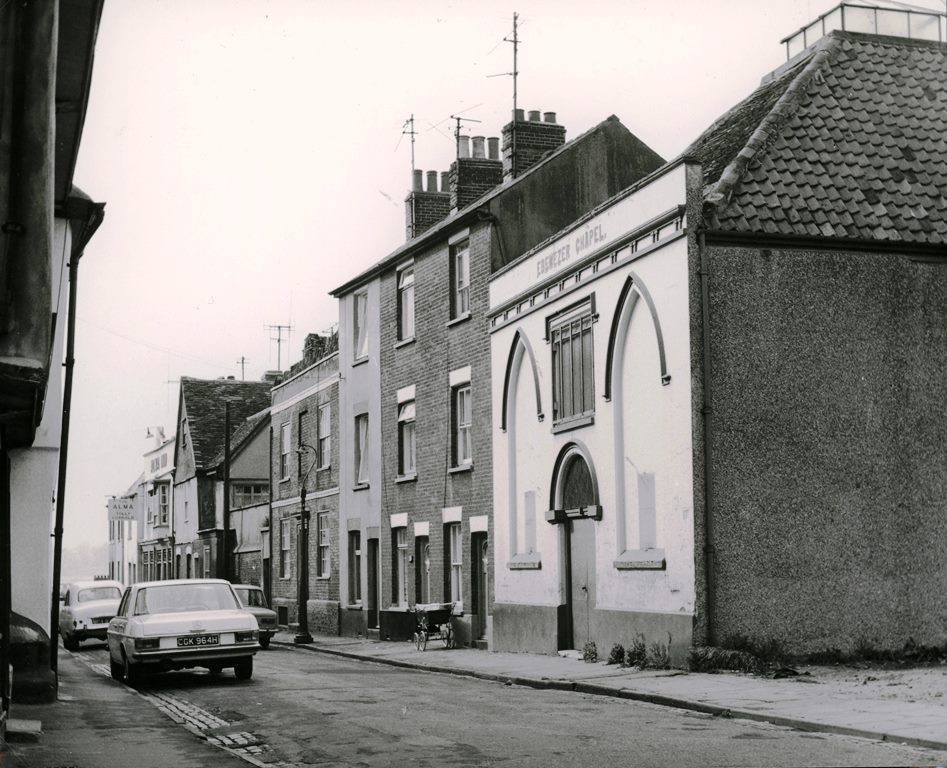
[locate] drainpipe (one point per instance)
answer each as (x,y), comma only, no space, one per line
(707,413)
(84,218)
(226,569)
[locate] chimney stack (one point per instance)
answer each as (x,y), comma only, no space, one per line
(474,174)
(425,208)
(526,142)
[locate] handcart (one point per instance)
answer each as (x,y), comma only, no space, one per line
(433,620)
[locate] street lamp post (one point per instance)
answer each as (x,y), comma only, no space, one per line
(302,635)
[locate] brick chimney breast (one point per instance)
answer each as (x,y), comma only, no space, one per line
(473,174)
(526,142)
(423,209)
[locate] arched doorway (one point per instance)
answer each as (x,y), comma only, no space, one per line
(575,505)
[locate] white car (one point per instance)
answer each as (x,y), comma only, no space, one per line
(180,624)
(86,609)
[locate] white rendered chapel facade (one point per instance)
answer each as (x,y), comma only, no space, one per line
(593,449)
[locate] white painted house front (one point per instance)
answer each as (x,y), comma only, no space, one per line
(593,449)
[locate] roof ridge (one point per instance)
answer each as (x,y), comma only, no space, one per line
(456,217)
(718,194)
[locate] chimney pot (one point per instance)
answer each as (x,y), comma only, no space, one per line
(519,115)
(416,181)
(432,181)
(493,147)
(478,150)
(463,146)
(445,181)
(534,115)
(549,117)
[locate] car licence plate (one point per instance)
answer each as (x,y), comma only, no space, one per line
(198,640)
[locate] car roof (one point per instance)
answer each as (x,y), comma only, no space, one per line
(168,582)
(248,586)
(87,583)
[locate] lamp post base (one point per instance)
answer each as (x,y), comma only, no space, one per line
(302,638)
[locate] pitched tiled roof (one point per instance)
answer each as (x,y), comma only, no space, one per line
(241,433)
(851,142)
(205,403)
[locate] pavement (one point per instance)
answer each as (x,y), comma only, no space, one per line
(94,721)
(97,723)
(804,702)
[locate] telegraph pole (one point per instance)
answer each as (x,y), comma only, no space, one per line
(224,573)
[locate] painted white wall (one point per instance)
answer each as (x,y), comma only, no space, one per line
(644,428)
(185,511)
(361,387)
(34,471)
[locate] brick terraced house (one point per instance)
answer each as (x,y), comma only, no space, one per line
(417,433)
(304,453)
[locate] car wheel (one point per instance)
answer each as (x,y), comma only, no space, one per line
(70,643)
(215,669)
(243,669)
(265,642)
(130,672)
(118,672)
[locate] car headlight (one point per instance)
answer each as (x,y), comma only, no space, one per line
(147,643)
(246,637)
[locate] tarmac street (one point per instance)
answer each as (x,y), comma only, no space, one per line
(348,702)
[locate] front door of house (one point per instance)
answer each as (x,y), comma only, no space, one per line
(581,578)
(372,596)
(480,582)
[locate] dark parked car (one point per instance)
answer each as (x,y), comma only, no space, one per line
(253,600)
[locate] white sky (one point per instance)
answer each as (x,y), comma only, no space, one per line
(251,157)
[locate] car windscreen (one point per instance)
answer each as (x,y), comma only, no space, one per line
(251,598)
(99,593)
(173,598)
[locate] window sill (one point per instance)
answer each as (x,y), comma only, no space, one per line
(565,426)
(529,561)
(360,360)
(405,342)
(461,468)
(458,320)
(323,578)
(407,478)
(354,607)
(284,480)
(360,487)
(641,560)
(323,469)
